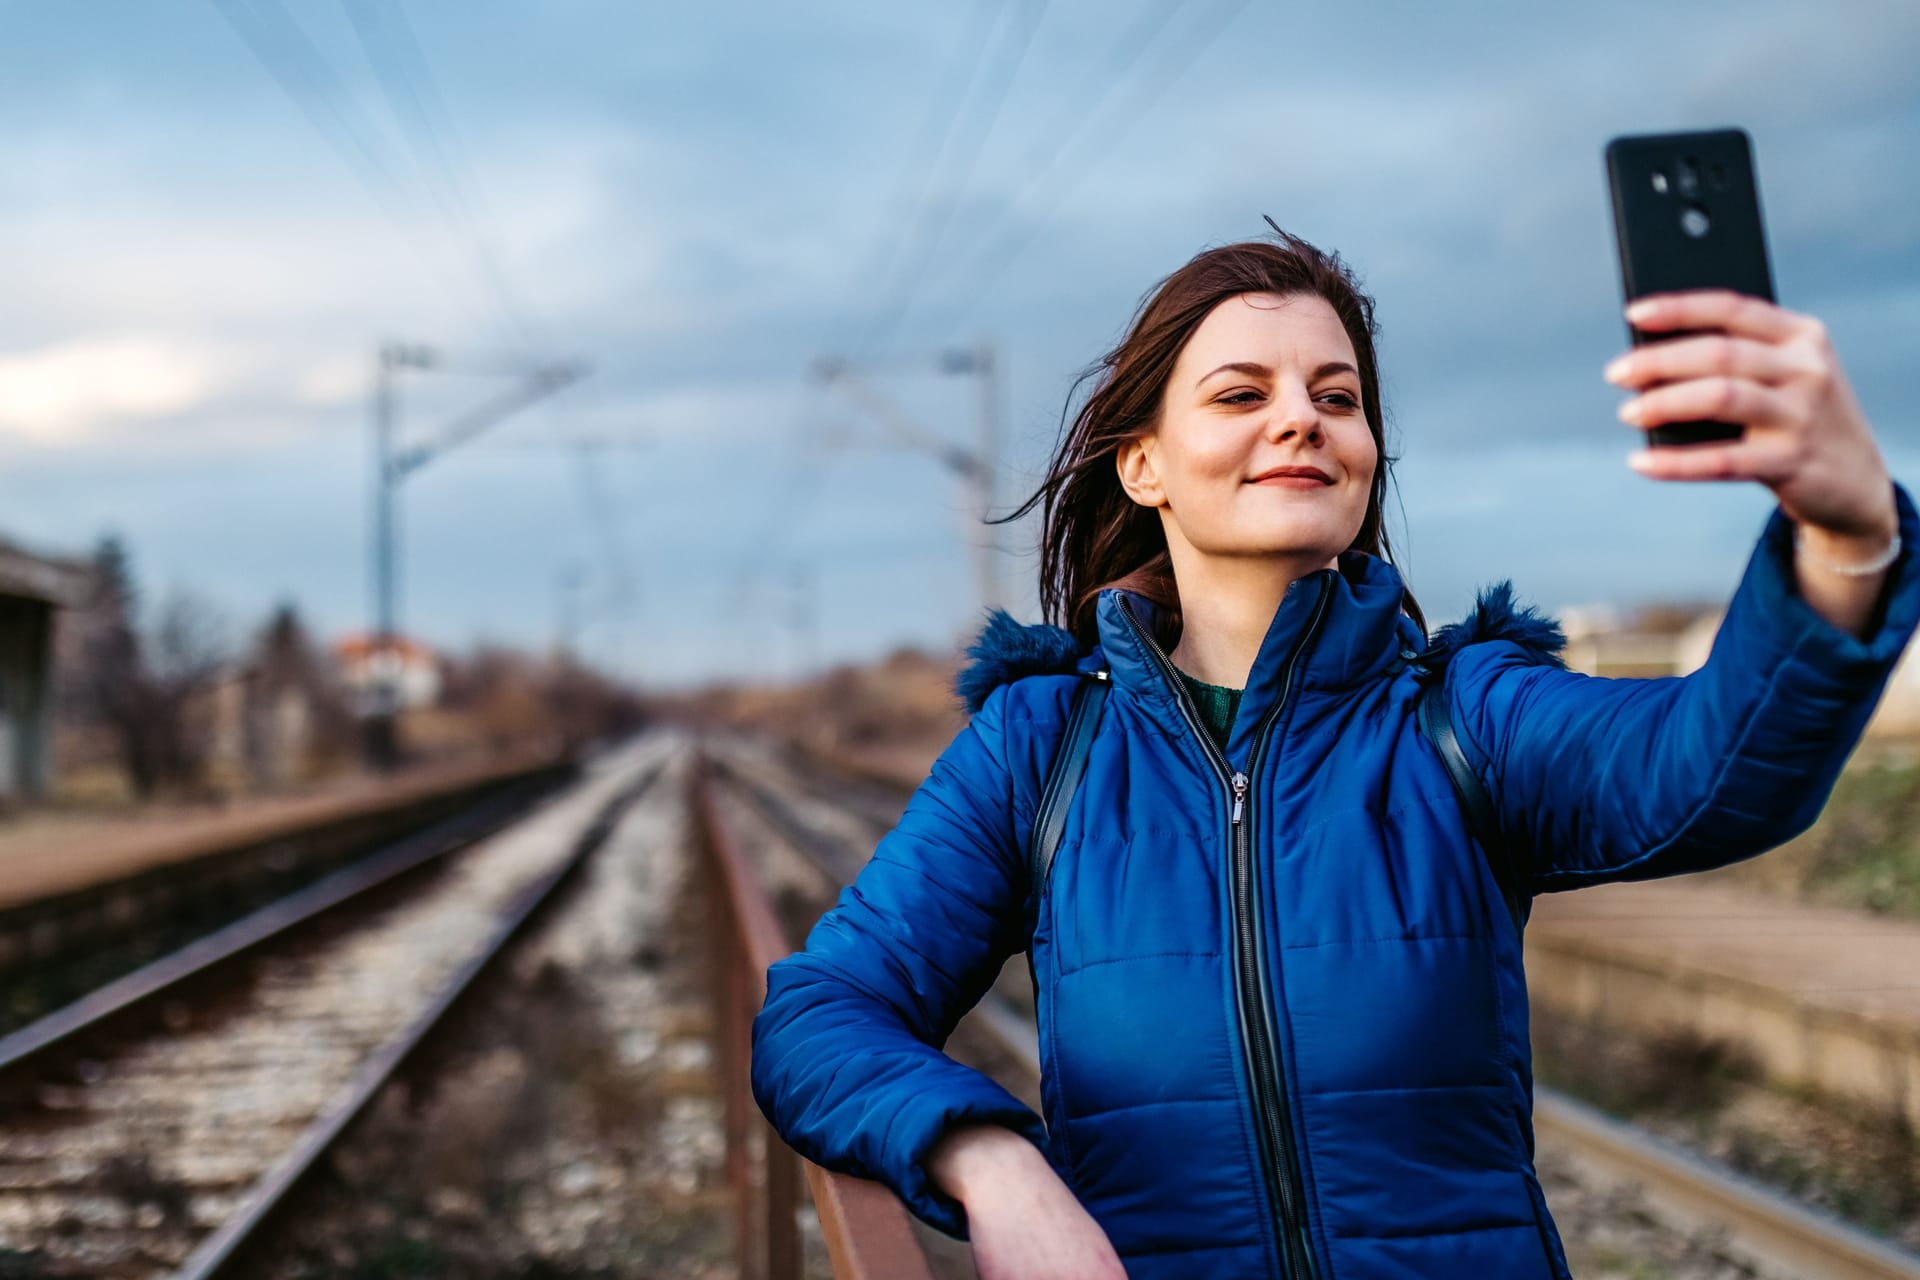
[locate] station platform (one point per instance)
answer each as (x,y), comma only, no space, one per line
(46,856)
(1825,997)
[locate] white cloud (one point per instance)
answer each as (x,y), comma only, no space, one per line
(60,393)
(335,380)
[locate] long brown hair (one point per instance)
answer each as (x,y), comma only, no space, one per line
(1094,536)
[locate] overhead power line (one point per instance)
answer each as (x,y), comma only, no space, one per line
(284,50)
(439,168)
(1017,39)
(279,44)
(406,81)
(1097,88)
(806,459)
(901,215)
(982,272)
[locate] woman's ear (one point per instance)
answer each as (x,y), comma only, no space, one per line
(1134,460)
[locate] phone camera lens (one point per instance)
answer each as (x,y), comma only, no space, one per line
(1660,181)
(1717,176)
(1694,221)
(1689,177)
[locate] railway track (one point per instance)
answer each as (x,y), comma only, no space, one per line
(161,1144)
(1753,1229)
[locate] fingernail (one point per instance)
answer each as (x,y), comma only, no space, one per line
(1641,309)
(1638,459)
(1617,370)
(1630,411)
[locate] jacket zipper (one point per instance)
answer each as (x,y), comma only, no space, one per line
(1251,986)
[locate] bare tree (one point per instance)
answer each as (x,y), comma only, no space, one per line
(110,681)
(189,652)
(147,692)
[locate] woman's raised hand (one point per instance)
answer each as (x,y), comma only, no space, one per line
(1024,1222)
(1774,372)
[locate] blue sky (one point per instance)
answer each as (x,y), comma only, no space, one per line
(702,200)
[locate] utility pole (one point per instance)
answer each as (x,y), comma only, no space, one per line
(800,621)
(986,548)
(974,468)
(392,466)
(568,585)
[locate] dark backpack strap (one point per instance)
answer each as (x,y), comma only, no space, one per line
(1431,713)
(1063,779)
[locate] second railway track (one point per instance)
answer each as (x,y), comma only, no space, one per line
(161,1153)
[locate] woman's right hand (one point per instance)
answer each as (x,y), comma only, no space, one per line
(1024,1222)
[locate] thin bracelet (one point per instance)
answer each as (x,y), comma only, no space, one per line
(1872,566)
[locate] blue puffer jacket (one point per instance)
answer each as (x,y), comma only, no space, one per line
(1287,1037)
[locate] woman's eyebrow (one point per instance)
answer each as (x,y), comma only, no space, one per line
(1257,370)
(1241,366)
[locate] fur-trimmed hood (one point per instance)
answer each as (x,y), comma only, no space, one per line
(1496,616)
(1007,649)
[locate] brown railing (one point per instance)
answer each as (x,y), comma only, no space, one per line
(865,1227)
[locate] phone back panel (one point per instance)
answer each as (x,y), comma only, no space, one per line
(1658,182)
(1686,213)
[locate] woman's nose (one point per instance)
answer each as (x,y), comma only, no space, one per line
(1293,413)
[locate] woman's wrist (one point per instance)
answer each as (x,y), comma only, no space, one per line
(976,1155)
(1861,550)
(1850,554)
(1842,574)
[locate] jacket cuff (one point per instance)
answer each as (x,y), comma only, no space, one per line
(923,1121)
(1769,603)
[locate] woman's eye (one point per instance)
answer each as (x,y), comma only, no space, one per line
(1239,397)
(1346,401)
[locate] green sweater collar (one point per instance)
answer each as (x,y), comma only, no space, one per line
(1215,704)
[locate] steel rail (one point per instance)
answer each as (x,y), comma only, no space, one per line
(219,1250)
(830,854)
(65,1024)
(865,1228)
(1758,1219)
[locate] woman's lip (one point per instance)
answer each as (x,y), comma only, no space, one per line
(1292,482)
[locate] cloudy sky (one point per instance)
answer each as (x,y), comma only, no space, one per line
(213,213)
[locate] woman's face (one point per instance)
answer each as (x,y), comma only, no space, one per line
(1267,383)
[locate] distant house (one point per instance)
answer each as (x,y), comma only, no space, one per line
(31,588)
(412,667)
(262,730)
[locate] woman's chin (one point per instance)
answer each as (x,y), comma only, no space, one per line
(1318,541)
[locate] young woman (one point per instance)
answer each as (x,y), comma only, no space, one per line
(1283,1021)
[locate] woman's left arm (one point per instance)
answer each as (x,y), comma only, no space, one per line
(1634,778)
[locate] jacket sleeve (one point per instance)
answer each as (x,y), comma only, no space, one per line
(846,1051)
(1599,779)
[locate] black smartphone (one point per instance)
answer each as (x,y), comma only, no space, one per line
(1686,215)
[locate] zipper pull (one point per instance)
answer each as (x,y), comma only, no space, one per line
(1239,797)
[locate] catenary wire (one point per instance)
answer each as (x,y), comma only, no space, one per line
(1102,81)
(1013,48)
(288,55)
(406,81)
(802,458)
(981,274)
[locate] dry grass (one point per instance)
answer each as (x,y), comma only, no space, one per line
(891,718)
(1862,852)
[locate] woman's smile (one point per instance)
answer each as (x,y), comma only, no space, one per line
(1294,478)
